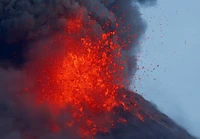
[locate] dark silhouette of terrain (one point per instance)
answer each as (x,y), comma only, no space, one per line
(156,125)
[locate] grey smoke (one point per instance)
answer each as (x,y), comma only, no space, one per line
(35,22)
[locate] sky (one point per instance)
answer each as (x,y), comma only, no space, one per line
(169,61)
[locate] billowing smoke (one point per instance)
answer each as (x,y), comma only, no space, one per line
(26,25)
(26,21)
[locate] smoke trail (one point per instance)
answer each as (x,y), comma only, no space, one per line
(25,25)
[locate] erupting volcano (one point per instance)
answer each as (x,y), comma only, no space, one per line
(72,61)
(84,78)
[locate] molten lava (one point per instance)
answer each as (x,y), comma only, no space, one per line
(83,79)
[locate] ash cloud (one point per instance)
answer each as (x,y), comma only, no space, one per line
(25,25)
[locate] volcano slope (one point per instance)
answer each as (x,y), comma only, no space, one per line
(37,45)
(152,124)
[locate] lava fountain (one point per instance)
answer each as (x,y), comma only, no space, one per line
(75,56)
(64,65)
(83,78)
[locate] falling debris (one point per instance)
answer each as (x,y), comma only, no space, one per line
(64,65)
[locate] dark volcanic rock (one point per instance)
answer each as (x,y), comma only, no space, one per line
(156,125)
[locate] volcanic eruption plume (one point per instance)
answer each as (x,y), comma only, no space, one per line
(62,64)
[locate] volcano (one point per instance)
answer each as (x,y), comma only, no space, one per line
(64,65)
(154,124)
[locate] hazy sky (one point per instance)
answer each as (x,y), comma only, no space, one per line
(172,41)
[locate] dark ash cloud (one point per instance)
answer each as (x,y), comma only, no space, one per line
(24,23)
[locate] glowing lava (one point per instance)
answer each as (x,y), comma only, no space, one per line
(82,79)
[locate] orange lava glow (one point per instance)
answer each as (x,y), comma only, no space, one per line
(82,80)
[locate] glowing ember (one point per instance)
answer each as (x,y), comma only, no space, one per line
(83,80)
